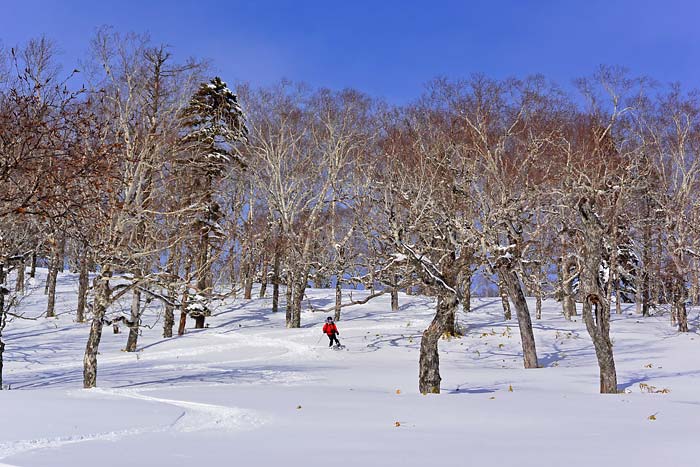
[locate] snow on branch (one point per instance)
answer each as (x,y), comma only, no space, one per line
(432,273)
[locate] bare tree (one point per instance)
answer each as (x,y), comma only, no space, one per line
(140,100)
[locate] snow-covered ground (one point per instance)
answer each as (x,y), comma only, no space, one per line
(247,391)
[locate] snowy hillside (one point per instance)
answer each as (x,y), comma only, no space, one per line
(247,391)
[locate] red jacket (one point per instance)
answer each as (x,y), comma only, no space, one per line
(330,329)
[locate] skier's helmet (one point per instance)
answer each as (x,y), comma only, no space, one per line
(329,320)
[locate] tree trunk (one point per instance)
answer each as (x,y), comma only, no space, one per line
(568,302)
(183,312)
(288,297)
(203,269)
(597,318)
(46,282)
(169,317)
(467,291)
(32,270)
(596,308)
(695,284)
(19,286)
(61,260)
(395,294)
(538,292)
(394,299)
(83,286)
(507,315)
(527,337)
(135,321)
(297,301)
(233,278)
(202,264)
(646,293)
(3,275)
(276,283)
(173,268)
(51,283)
(248,280)
(3,318)
(429,361)
(338,300)
(644,287)
(263,279)
(680,295)
(2,352)
(93,343)
(451,320)
(199,322)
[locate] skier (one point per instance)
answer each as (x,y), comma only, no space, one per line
(331,330)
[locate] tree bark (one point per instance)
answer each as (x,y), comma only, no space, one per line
(3,318)
(451,328)
(93,343)
(19,286)
(199,322)
(2,353)
(429,361)
(502,290)
(132,340)
(680,295)
(263,279)
(647,244)
(596,308)
(515,291)
(173,268)
(597,318)
(183,312)
(297,300)
(538,291)
(83,286)
(169,316)
(51,284)
(233,277)
(46,282)
(568,302)
(695,284)
(248,280)
(276,283)
(32,270)
(288,296)
(338,300)
(203,270)
(467,291)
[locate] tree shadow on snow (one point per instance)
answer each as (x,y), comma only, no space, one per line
(639,377)
(460,390)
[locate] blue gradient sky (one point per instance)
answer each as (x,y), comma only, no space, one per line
(388,48)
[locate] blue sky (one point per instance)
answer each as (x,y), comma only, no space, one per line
(386,48)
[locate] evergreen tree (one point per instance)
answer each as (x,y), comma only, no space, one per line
(213,125)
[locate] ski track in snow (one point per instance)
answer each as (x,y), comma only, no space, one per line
(199,416)
(17,447)
(196,416)
(202,345)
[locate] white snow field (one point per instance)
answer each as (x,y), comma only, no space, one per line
(247,391)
